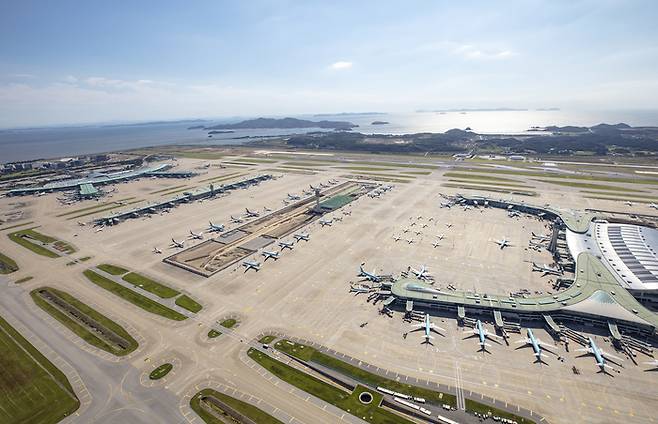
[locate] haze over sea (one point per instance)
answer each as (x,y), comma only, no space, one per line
(36,143)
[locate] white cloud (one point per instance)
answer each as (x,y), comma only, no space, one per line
(468,51)
(340,65)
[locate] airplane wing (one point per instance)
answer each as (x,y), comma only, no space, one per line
(524,341)
(496,336)
(608,355)
(436,328)
(585,349)
(543,346)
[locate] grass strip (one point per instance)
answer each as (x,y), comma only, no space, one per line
(17,225)
(592,186)
(225,176)
(310,354)
(229,323)
(112,269)
(325,391)
(465,175)
(151,286)
(81,330)
(184,301)
(133,297)
(365,168)
(378,177)
(32,389)
(89,208)
(23,280)
(213,333)
(161,371)
(626,196)
(267,339)
(167,189)
(7,264)
(594,178)
(244,408)
(17,237)
(485,182)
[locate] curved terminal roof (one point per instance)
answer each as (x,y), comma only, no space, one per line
(595,292)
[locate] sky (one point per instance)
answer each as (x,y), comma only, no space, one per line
(68,62)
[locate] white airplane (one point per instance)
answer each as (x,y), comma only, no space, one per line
(536,344)
(250,214)
(600,355)
(428,327)
(324,222)
(293,197)
(236,220)
(307,192)
(410,241)
(628,203)
(542,237)
(213,228)
(436,244)
(285,245)
(255,265)
(347,212)
(98,230)
(301,236)
(368,276)
(177,244)
(441,236)
(418,232)
(547,270)
(82,224)
(448,225)
(483,335)
(396,238)
(446,205)
(196,236)
(406,230)
(156,250)
(268,254)
(266,209)
(502,243)
(653,205)
(653,364)
(422,274)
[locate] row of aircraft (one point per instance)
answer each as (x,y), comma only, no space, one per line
(268,254)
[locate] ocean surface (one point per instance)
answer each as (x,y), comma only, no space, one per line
(26,144)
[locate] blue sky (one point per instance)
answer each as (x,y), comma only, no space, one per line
(95,61)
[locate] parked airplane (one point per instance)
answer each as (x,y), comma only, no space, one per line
(653,364)
(301,236)
(236,220)
(547,270)
(410,241)
(483,335)
(536,344)
(448,225)
(628,203)
(653,205)
(600,355)
(396,238)
(541,237)
(215,228)
(436,244)
(502,243)
(293,197)
(513,214)
(177,244)
(82,224)
(250,214)
(428,327)
(285,245)
(441,236)
(255,265)
(98,230)
(347,213)
(369,276)
(307,192)
(156,250)
(266,209)
(197,236)
(268,254)
(422,274)
(418,232)
(446,205)
(324,222)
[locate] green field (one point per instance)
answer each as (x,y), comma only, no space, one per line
(228,323)
(466,175)
(307,353)
(472,406)
(17,225)
(594,178)
(327,392)
(246,409)
(132,297)
(168,189)
(81,330)
(605,187)
(7,265)
(32,389)
(161,371)
(184,301)
(488,183)
(95,211)
(17,237)
(112,269)
(266,339)
(151,286)
(89,208)
(213,333)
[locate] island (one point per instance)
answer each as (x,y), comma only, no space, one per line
(379,123)
(283,123)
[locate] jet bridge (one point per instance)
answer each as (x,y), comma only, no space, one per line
(614,331)
(553,328)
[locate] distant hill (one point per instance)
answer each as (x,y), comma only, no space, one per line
(283,123)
